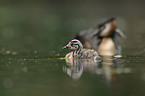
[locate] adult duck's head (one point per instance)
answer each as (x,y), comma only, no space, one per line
(107,27)
(74,45)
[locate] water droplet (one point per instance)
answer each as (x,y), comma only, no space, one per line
(57,54)
(25,69)
(8,83)
(22,63)
(35,52)
(8,52)
(14,53)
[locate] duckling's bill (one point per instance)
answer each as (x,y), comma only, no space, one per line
(65,47)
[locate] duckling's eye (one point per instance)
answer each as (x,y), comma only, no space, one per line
(72,44)
(76,47)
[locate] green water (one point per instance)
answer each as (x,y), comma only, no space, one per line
(22,76)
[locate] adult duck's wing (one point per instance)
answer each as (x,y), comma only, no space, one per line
(120,33)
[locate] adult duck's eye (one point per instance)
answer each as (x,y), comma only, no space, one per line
(101,28)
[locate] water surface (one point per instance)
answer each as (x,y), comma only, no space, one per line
(23,76)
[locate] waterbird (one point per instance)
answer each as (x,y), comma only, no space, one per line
(103,38)
(78,51)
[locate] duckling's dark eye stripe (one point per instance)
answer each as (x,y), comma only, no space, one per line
(78,48)
(75,43)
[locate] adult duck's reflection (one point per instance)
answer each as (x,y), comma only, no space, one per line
(110,68)
(107,69)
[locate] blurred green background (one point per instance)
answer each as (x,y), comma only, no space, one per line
(44,26)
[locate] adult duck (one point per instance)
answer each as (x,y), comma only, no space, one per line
(103,38)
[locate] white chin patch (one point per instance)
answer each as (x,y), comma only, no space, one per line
(73,48)
(106,30)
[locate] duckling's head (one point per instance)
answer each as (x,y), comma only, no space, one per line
(74,45)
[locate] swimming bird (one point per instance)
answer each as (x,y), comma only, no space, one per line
(103,38)
(78,51)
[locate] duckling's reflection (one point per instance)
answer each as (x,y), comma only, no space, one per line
(75,67)
(107,69)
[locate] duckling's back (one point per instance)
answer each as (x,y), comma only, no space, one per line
(88,53)
(84,54)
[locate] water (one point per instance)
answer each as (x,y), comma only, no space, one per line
(23,76)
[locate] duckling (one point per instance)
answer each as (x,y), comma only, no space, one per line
(103,38)
(78,51)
